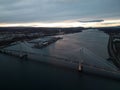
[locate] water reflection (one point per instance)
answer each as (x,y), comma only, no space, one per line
(93,41)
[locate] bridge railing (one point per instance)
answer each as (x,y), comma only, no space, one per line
(76,62)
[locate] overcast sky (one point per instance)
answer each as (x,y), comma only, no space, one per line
(26,11)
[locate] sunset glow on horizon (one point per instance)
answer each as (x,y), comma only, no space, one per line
(65,24)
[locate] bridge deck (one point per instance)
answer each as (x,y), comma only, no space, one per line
(66,62)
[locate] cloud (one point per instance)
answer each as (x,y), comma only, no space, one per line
(24,11)
(91,21)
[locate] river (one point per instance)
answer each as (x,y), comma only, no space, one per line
(28,74)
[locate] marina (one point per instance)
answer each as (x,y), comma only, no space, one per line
(44,42)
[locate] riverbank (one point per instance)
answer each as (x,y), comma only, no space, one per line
(10,35)
(113,50)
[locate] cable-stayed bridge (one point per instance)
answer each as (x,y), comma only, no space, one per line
(87,61)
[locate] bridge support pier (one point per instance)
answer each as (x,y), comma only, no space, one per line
(80,67)
(24,56)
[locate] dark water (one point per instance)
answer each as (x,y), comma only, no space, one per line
(28,74)
(14,74)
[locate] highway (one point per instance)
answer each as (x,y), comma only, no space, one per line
(113,56)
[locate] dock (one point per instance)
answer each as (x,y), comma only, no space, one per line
(45,43)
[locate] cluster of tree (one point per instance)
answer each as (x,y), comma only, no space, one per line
(110,30)
(49,31)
